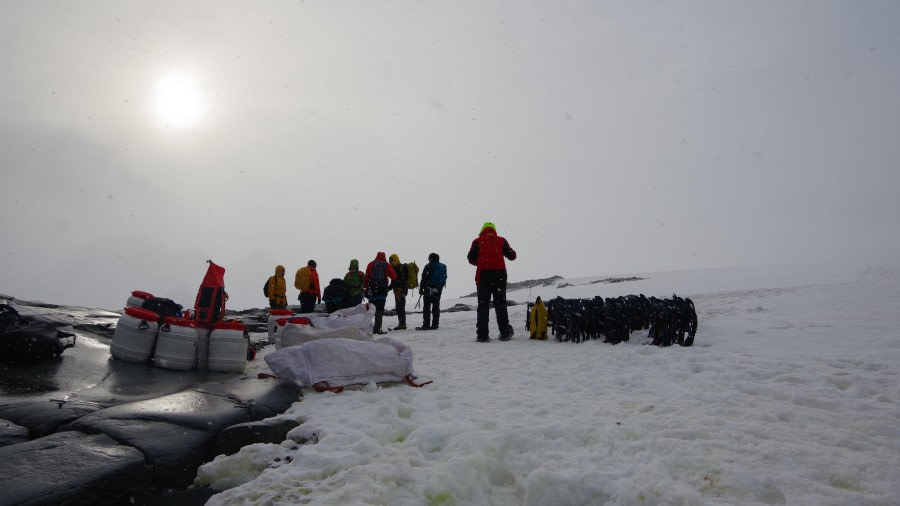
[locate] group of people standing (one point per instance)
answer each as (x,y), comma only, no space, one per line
(384,275)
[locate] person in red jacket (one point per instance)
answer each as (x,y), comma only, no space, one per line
(379,275)
(487,254)
(307,281)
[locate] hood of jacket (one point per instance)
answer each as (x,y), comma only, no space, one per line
(395,260)
(279,271)
(381,257)
(487,230)
(354,265)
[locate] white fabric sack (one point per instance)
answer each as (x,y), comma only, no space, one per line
(339,362)
(362,308)
(361,317)
(294,334)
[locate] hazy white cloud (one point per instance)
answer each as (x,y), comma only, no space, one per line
(602,138)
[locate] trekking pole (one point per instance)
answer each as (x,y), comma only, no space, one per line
(418,301)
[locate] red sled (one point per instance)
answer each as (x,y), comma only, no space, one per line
(210,304)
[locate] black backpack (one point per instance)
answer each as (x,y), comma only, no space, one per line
(334,293)
(163,307)
(266,287)
(378,281)
(402,271)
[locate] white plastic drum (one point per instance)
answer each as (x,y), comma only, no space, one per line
(203,348)
(228,346)
(135,335)
(137,298)
(176,345)
(296,320)
(272,324)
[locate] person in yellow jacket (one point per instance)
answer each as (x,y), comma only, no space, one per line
(307,281)
(276,289)
(537,324)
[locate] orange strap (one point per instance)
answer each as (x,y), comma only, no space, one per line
(410,382)
(323,387)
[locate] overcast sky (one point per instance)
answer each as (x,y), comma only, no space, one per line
(138,139)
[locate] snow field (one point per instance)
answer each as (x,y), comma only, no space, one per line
(789,396)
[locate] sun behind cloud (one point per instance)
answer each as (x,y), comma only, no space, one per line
(179,101)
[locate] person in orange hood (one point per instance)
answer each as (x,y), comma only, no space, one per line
(276,289)
(487,254)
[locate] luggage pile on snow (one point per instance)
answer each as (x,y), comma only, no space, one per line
(24,342)
(670,321)
(158,329)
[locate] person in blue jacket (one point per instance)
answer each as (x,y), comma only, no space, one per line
(434,278)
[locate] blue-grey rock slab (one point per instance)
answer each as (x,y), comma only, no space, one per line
(72,468)
(11,433)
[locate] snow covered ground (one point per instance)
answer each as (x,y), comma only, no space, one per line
(789,396)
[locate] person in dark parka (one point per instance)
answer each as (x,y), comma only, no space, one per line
(434,278)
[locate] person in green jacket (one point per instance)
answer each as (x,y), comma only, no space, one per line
(353,280)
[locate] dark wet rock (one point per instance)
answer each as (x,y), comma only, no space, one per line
(174,451)
(72,468)
(263,398)
(520,285)
(177,432)
(191,409)
(11,433)
(273,430)
(190,497)
(45,417)
(107,330)
(85,402)
(457,308)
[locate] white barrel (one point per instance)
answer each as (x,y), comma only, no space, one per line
(228,345)
(176,345)
(137,298)
(203,348)
(135,335)
(272,323)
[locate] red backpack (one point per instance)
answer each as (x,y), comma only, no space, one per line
(210,304)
